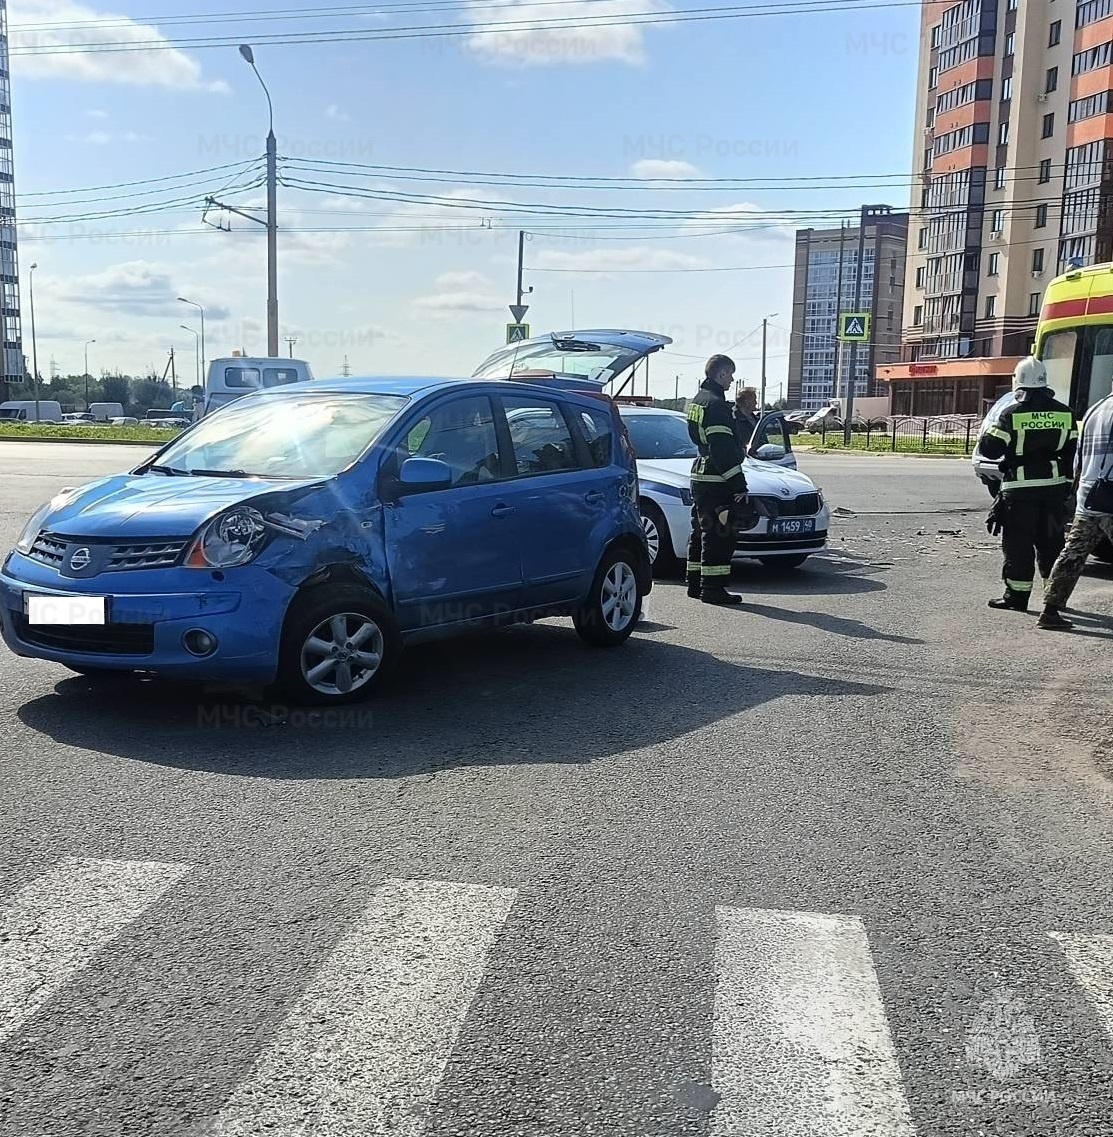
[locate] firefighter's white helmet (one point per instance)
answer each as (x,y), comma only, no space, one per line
(1030,373)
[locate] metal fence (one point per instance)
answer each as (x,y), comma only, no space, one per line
(947,434)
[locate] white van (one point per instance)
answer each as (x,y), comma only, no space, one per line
(102,412)
(23,410)
(238,375)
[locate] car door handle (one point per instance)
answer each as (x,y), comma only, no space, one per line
(502,510)
(593,497)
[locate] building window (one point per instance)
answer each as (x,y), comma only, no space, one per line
(999,179)
(1045,171)
(1007,89)
(1052,83)
(918,316)
(920,273)
(1003,134)
(1041,216)
(1034,303)
(1037,260)
(1048,125)
(924,238)
(998,221)
(933,78)
(1012,6)
(1010,44)
(990,307)
(935,35)
(1055,34)
(994,266)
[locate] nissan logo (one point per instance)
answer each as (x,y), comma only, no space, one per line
(80,558)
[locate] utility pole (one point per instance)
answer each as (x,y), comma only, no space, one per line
(764,343)
(290,341)
(518,309)
(852,382)
(836,378)
(34,344)
(676,393)
(87,342)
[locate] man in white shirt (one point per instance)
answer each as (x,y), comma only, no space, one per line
(1093,520)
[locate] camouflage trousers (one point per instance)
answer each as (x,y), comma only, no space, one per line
(1085,535)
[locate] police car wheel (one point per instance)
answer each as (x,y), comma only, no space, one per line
(659,539)
(614,604)
(339,643)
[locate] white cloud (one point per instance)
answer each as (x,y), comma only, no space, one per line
(461,280)
(458,302)
(334,112)
(104,138)
(745,220)
(655,169)
(603,262)
(534,44)
(96,114)
(132,288)
(68,26)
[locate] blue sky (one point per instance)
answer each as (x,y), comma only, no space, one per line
(815,95)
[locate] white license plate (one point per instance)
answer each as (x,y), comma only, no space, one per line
(784,527)
(67,610)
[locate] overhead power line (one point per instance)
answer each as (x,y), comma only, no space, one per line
(428,31)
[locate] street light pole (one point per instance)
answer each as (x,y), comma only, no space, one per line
(272,214)
(87,342)
(196,350)
(194,304)
(34,345)
(764,341)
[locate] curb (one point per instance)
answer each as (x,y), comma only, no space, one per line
(83,441)
(877,453)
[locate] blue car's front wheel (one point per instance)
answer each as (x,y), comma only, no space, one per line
(339,643)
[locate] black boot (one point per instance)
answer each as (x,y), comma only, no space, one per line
(1052,620)
(695,585)
(1011,602)
(717,594)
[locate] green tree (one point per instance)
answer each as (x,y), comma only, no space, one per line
(116,389)
(148,393)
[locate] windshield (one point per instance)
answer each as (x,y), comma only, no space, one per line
(599,362)
(302,436)
(659,436)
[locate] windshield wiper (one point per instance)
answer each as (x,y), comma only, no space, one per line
(168,470)
(220,473)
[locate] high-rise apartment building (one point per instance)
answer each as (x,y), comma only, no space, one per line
(11,339)
(1013,180)
(826,268)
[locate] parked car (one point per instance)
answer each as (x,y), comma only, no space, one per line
(795,517)
(301,536)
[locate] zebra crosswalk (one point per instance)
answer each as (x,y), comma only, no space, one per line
(799,1039)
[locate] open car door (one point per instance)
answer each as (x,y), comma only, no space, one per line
(772,441)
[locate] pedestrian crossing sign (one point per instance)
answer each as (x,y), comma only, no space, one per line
(517,333)
(854,327)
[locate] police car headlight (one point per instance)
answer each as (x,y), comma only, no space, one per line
(232,539)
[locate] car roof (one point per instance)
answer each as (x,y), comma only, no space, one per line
(628,409)
(408,386)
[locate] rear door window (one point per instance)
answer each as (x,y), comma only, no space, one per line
(598,428)
(540,436)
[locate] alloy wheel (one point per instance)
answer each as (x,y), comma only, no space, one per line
(342,653)
(620,596)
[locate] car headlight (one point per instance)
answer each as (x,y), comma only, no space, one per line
(32,529)
(232,539)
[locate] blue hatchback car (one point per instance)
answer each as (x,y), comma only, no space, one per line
(301,536)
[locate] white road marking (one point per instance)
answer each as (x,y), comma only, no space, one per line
(365,1048)
(1090,959)
(54,927)
(801,1045)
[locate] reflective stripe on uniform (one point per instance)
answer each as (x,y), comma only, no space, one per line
(728,474)
(708,478)
(1019,585)
(694,566)
(715,570)
(719,430)
(1018,480)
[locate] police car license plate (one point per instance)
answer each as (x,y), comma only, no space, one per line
(66,610)
(792,526)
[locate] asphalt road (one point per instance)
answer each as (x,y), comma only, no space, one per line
(835,864)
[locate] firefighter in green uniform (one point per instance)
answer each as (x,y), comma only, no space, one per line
(718,485)
(1034,441)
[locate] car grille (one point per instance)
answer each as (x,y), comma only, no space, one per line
(93,639)
(50,549)
(805,505)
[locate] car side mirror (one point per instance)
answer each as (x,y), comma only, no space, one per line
(418,474)
(770,453)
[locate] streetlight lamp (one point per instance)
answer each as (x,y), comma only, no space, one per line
(764,338)
(194,304)
(196,350)
(34,345)
(87,342)
(272,214)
